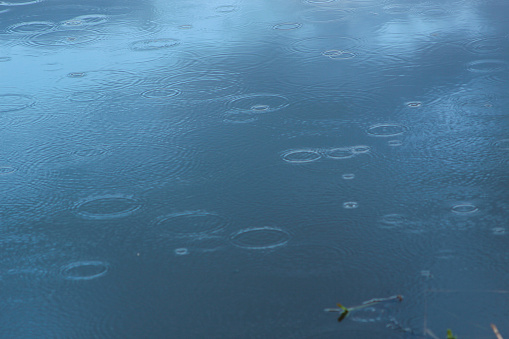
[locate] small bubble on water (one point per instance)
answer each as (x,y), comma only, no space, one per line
(73,23)
(361,149)
(394,143)
(350,205)
(287,26)
(260,108)
(426,274)
(181,251)
(76,74)
(414,104)
(337,54)
(498,230)
(348,176)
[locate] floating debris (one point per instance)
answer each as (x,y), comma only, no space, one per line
(344,311)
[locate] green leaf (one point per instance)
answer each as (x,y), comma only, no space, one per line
(342,307)
(450,335)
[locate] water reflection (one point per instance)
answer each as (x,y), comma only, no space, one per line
(252,157)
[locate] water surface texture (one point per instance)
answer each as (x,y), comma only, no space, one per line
(231,168)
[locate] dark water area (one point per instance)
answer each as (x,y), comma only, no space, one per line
(210,169)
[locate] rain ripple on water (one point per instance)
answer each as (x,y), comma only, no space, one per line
(260,238)
(109,206)
(190,223)
(201,86)
(15,102)
(85,270)
(65,38)
(31,27)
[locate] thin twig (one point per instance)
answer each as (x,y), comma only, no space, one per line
(469,291)
(425,314)
(431,334)
(495,330)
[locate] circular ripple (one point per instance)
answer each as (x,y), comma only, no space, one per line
(181,251)
(63,38)
(84,270)
(386,130)
(258,103)
(15,102)
(31,27)
(390,221)
(340,153)
(395,143)
(361,149)
(304,260)
(336,54)
(225,9)
(85,96)
(75,166)
(397,9)
(239,117)
(480,104)
(104,207)
(90,152)
(191,223)
(319,2)
(434,12)
(487,66)
(287,26)
(171,58)
(488,45)
(238,61)
(464,208)
(326,103)
(301,156)
(349,205)
(4,170)
(260,238)
(86,20)
(348,176)
(207,89)
(503,144)
(160,93)
(94,83)
(198,86)
(19,3)
(154,44)
(317,45)
(156,163)
(324,16)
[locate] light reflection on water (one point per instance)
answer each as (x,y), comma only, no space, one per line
(228,169)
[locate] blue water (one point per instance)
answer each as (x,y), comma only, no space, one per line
(230,169)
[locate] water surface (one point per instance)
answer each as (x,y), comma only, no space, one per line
(229,169)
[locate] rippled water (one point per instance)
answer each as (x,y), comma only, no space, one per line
(231,169)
